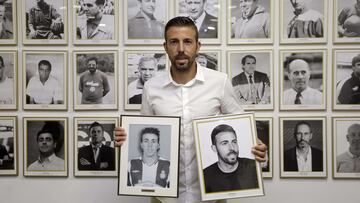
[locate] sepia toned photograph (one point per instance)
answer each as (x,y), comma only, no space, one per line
(264,130)
(206,16)
(8,146)
(346,82)
(45,80)
(303,147)
(141,66)
(303,21)
(96,22)
(251,74)
(209,59)
(250,22)
(95,80)
(95,153)
(149,158)
(45,146)
(346,147)
(346,21)
(8,80)
(8,22)
(302,79)
(44,22)
(227,168)
(145,21)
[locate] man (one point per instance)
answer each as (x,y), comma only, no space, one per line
(252,87)
(6,85)
(144,24)
(93,84)
(300,93)
(303,157)
(349,21)
(45,22)
(96,156)
(307,23)
(254,21)
(48,143)
(95,27)
(147,69)
(5,25)
(348,90)
(205,23)
(187,90)
(230,172)
(349,161)
(44,88)
(150,170)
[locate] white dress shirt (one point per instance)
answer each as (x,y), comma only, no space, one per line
(209,93)
(309,96)
(52,163)
(304,163)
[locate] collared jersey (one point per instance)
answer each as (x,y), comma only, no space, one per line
(46,93)
(52,163)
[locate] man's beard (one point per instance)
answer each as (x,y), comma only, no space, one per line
(228,160)
(185,66)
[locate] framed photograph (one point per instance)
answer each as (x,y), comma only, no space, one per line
(264,129)
(44,22)
(227,168)
(95,24)
(95,80)
(303,22)
(8,146)
(210,59)
(144,21)
(8,22)
(141,66)
(346,147)
(346,77)
(150,156)
(45,80)
(251,73)
(250,22)
(303,79)
(346,21)
(95,153)
(8,80)
(45,146)
(206,16)
(303,147)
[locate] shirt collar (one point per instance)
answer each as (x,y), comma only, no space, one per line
(308,155)
(198,77)
(49,159)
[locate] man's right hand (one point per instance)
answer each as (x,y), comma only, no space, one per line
(119,136)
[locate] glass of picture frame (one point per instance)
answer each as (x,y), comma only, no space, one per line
(149,138)
(264,130)
(346,27)
(8,146)
(210,58)
(9,83)
(8,22)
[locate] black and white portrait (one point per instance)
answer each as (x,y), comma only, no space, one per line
(209,59)
(95,151)
(45,146)
(346,136)
(95,80)
(347,79)
(303,148)
(204,13)
(347,21)
(141,67)
(8,22)
(8,146)
(303,80)
(8,80)
(145,20)
(264,133)
(251,77)
(96,21)
(45,22)
(45,80)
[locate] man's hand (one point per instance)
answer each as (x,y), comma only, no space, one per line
(119,136)
(259,150)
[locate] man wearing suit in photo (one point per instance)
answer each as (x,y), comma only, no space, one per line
(303,157)
(251,86)
(96,156)
(205,23)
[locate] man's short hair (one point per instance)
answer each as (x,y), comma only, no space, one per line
(243,60)
(94,124)
(93,58)
(301,123)
(150,130)
(2,64)
(100,2)
(51,127)
(355,60)
(147,58)
(45,63)
(181,21)
(220,128)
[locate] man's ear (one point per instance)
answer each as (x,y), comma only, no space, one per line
(213,147)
